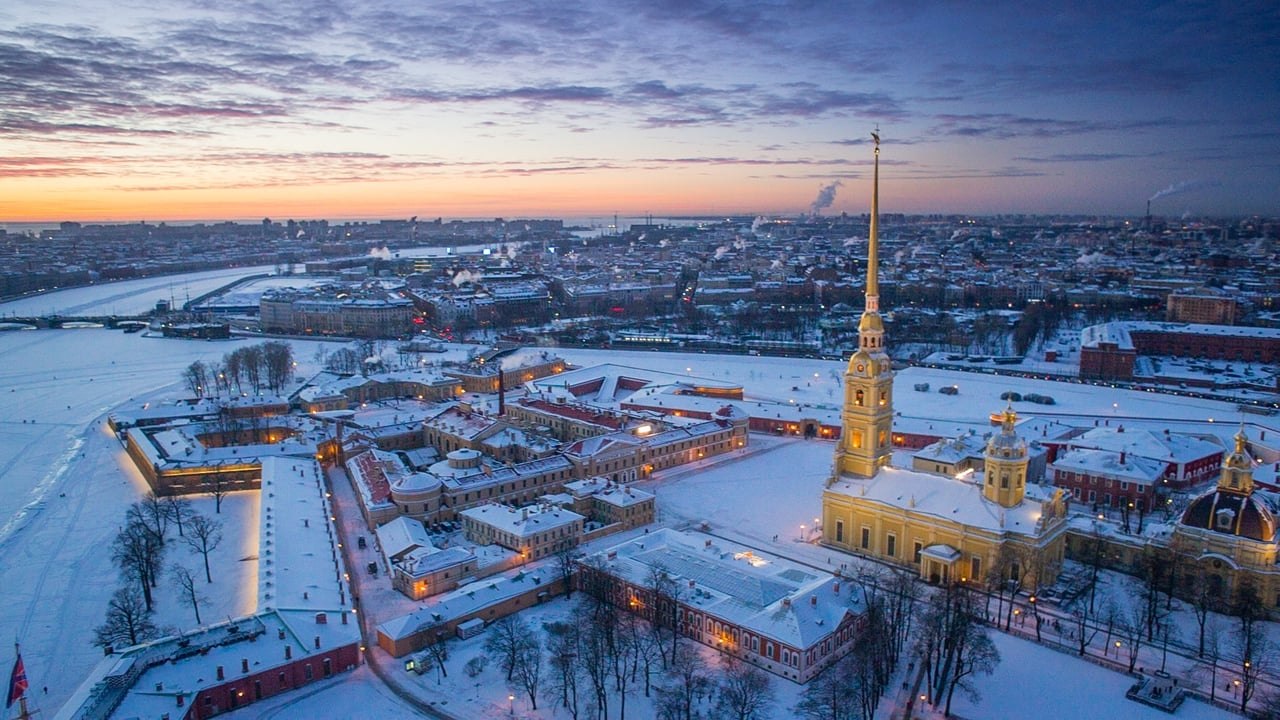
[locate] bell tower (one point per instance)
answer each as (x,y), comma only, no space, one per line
(1005,476)
(866,439)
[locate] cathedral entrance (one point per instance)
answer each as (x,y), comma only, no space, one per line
(937,564)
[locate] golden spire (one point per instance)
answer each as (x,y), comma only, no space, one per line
(873,237)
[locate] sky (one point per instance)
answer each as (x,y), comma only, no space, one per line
(180,110)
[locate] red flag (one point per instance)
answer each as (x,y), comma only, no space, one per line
(17,682)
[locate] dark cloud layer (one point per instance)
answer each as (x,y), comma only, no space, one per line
(683,83)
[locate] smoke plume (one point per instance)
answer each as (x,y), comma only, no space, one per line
(826,196)
(382,253)
(1182,187)
(464,276)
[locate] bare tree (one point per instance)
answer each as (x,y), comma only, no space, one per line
(204,534)
(688,681)
(156,513)
(179,511)
(1251,655)
(196,377)
(665,596)
(1131,632)
(529,667)
(743,693)
(1213,653)
(137,514)
(566,564)
(562,648)
(504,641)
(137,552)
(831,696)
(128,621)
(187,588)
(218,486)
(954,645)
(277,360)
(439,652)
(1085,633)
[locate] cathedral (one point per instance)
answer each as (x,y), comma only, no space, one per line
(990,527)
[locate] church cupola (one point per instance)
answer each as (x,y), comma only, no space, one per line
(1237,468)
(1005,475)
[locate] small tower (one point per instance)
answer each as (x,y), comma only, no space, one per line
(1237,468)
(1005,480)
(866,442)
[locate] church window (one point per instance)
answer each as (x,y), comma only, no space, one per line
(991,479)
(858,397)
(975,567)
(866,538)
(1004,480)
(857,439)
(891,545)
(883,440)
(884,398)
(839,531)
(1224,519)
(919,547)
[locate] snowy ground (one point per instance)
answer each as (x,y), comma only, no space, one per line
(67,481)
(1034,681)
(357,694)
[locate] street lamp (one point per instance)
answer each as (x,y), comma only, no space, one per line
(801,532)
(512,699)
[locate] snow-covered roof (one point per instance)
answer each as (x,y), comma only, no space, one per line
(1120,332)
(1104,463)
(609,492)
(425,561)
(469,599)
(953,450)
(949,498)
(401,536)
(1167,447)
(792,603)
(298,558)
(524,522)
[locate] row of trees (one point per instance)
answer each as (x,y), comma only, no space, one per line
(250,369)
(623,644)
(1161,580)
(139,550)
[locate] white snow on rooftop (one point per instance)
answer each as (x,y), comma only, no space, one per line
(777,598)
(944,497)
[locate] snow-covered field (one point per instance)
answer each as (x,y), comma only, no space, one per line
(1035,682)
(67,481)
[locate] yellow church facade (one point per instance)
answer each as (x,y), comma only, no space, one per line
(994,526)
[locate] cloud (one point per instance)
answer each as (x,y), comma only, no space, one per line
(1005,126)
(1079,157)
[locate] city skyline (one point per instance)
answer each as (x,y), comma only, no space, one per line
(119,113)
